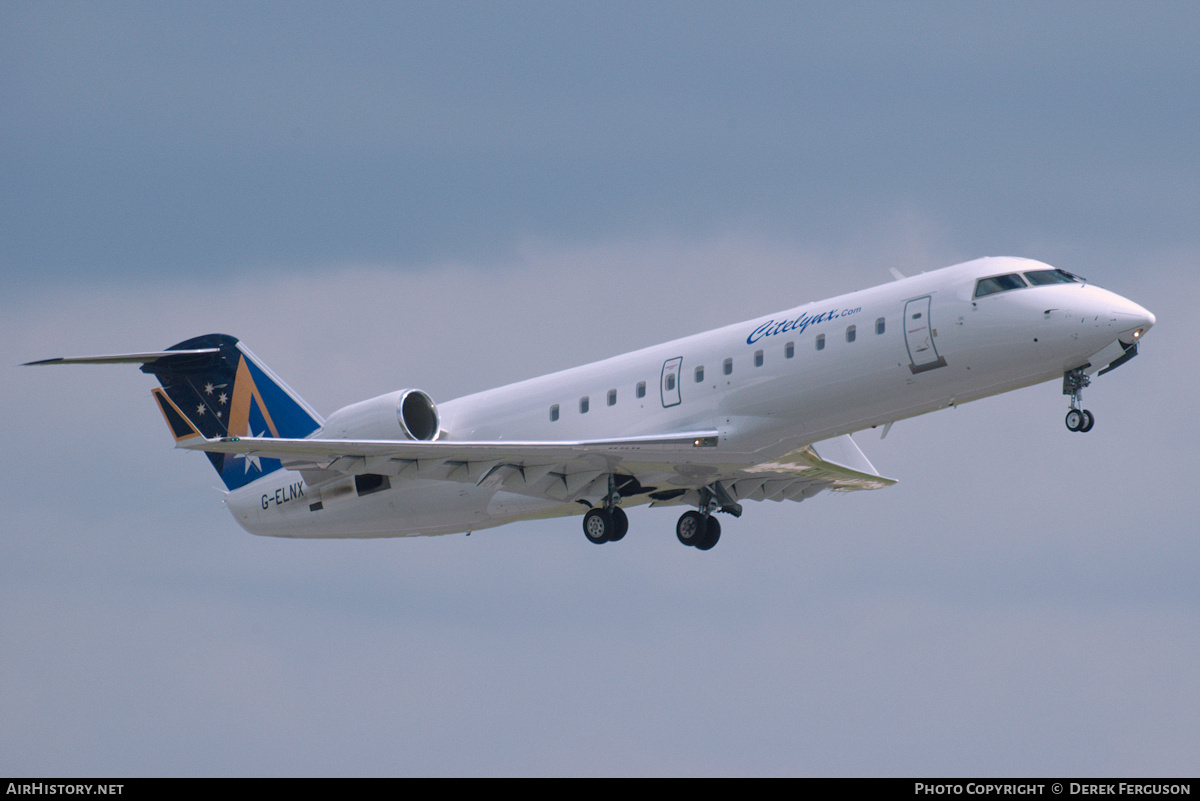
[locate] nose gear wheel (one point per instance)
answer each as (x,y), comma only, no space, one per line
(1078,418)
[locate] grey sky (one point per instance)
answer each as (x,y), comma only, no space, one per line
(453,196)
(207,138)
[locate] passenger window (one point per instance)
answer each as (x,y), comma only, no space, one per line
(641,389)
(758,358)
(999,283)
(850,333)
(789,350)
(820,342)
(612,397)
(554,413)
(699,374)
(670,382)
(727,367)
(879,324)
(583,404)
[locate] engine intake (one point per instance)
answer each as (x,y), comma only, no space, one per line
(418,415)
(409,413)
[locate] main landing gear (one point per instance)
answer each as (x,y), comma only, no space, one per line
(602,525)
(700,530)
(606,523)
(1078,419)
(697,528)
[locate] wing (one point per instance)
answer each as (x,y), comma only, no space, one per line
(662,469)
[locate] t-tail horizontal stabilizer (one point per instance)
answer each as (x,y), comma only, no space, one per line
(127,358)
(213,387)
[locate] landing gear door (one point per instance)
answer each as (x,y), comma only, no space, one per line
(919,334)
(670,382)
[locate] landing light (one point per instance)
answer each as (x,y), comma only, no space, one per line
(1137,333)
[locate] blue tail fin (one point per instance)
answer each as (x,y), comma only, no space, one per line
(218,388)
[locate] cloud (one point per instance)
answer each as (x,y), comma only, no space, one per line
(994,608)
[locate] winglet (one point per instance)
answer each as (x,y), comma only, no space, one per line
(842,458)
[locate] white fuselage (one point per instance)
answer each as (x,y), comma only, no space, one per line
(768,385)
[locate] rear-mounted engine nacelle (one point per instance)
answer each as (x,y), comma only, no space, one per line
(408,414)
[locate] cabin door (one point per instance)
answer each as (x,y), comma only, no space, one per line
(919,334)
(670,381)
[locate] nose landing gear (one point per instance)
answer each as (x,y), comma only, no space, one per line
(1078,419)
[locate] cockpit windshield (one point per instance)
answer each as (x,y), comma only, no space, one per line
(998,283)
(1042,277)
(1003,283)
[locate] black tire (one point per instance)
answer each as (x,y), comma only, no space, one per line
(711,536)
(1075,420)
(620,524)
(598,526)
(689,527)
(1089,420)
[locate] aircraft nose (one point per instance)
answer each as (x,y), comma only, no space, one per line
(1135,321)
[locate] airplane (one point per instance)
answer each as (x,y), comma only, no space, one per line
(760,410)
